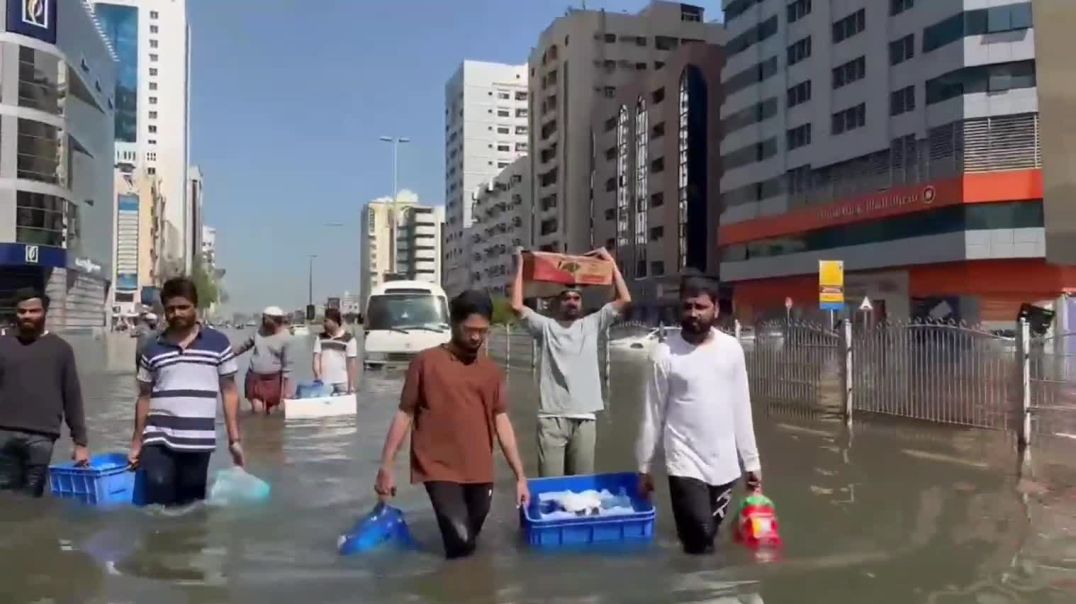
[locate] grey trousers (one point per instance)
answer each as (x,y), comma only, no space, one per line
(566,446)
(24,461)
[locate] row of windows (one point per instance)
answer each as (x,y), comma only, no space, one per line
(849,119)
(760,72)
(902,101)
(981,78)
(799,136)
(799,50)
(954,219)
(739,7)
(852,71)
(750,154)
(800,93)
(998,19)
(902,49)
(849,26)
(798,9)
(897,7)
(754,114)
(752,36)
(40,219)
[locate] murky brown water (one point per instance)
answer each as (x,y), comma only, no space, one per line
(889,513)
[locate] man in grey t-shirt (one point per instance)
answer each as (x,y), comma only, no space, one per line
(269,379)
(569,380)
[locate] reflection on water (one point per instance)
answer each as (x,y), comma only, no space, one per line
(886,513)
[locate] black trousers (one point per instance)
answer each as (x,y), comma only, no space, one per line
(698,509)
(461,511)
(173,477)
(24,461)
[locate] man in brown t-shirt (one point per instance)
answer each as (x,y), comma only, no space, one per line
(455,402)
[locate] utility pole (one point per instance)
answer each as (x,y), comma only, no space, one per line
(396,141)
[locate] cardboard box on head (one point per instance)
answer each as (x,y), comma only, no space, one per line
(547,274)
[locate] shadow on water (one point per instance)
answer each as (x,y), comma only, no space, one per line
(886,512)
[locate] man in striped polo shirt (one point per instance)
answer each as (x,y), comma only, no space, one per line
(181,374)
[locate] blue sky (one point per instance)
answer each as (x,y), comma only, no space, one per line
(288,100)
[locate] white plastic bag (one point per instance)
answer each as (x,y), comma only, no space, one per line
(235,486)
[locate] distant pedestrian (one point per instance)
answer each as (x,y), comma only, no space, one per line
(335,355)
(569,382)
(698,411)
(269,379)
(149,330)
(182,374)
(454,405)
(39,387)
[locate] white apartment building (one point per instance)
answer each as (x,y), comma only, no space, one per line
(413,231)
(502,222)
(900,136)
(195,205)
(485,131)
(580,58)
(209,247)
(152,42)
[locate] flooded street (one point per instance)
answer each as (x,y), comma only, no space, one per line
(891,513)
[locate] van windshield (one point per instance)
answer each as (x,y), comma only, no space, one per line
(406,312)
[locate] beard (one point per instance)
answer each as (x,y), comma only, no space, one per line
(695,327)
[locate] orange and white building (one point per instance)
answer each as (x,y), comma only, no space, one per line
(901,137)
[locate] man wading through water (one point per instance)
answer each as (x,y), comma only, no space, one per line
(570,380)
(454,404)
(38,387)
(268,380)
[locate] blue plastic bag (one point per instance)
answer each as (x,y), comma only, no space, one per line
(234,486)
(381,525)
(315,389)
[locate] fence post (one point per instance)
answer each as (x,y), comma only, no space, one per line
(1025,384)
(846,378)
(736,329)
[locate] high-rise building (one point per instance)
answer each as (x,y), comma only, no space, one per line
(137,246)
(902,137)
(400,241)
(152,42)
(502,223)
(485,131)
(56,190)
(657,174)
(209,247)
(580,58)
(195,201)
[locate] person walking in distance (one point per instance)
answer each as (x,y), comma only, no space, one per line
(698,410)
(181,375)
(269,379)
(335,354)
(149,330)
(454,404)
(39,387)
(570,379)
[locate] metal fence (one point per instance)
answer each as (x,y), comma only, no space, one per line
(943,373)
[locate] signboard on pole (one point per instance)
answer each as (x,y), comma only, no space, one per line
(831,284)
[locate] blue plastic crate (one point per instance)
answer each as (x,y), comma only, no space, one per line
(591,530)
(106,481)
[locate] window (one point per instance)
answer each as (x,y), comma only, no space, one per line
(504,96)
(1011,17)
(897,7)
(40,219)
(154,14)
(504,112)
(657,199)
(658,130)
(610,38)
(658,165)
(153,29)
(748,116)
(39,152)
(1008,18)
(610,214)
(152,115)
(151,156)
(849,26)
(752,36)
(750,154)
(659,64)
(151,170)
(152,141)
(153,57)
(902,50)
(853,70)
(40,81)
(521,147)
(153,43)
(504,147)
(759,72)
(738,7)
(152,100)
(666,42)
(800,93)
(657,268)
(502,164)
(503,130)
(152,71)
(798,10)
(799,136)
(521,129)
(153,85)
(640,66)
(609,92)
(521,95)
(902,101)
(610,153)
(849,119)
(152,129)
(521,113)
(610,124)
(998,77)
(657,233)
(658,95)
(799,51)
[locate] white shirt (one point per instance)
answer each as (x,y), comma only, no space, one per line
(698,407)
(334,353)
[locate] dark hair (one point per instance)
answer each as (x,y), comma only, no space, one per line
(30,293)
(694,286)
(333,314)
(179,287)
(470,302)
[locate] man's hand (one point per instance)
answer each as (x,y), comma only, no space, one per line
(753,481)
(646,485)
(238,458)
(385,486)
(135,453)
(81,455)
(523,493)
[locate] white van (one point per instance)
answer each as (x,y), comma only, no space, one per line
(403,318)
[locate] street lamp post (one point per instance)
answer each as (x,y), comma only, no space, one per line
(396,141)
(310,274)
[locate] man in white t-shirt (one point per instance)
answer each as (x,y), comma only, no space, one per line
(335,354)
(698,411)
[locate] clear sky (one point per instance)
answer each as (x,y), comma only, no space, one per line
(289,98)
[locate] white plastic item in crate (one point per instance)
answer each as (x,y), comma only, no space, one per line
(322,406)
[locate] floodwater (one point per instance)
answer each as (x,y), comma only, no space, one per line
(895,513)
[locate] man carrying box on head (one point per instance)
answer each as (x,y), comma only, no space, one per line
(570,380)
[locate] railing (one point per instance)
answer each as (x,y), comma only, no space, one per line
(943,373)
